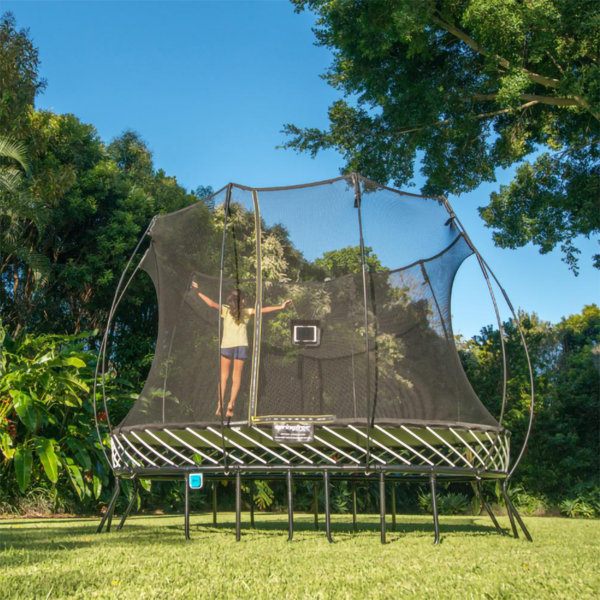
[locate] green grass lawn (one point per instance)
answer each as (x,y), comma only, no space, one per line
(149,558)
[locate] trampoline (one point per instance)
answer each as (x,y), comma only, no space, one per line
(306,332)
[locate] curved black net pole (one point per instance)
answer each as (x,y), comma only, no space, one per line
(487,271)
(529,366)
(252,404)
(481,263)
(101,360)
(220,391)
(370,418)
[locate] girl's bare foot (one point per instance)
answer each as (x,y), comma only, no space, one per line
(218,411)
(229,413)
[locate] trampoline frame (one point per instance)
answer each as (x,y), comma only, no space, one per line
(242,450)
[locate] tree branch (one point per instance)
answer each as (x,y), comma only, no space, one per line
(552,100)
(461,35)
(478,116)
(534,77)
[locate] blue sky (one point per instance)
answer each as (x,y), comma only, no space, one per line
(209,85)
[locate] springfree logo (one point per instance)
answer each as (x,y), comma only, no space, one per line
(293,432)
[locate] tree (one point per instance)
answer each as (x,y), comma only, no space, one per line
(336,263)
(68,233)
(563,455)
(469,86)
(19,80)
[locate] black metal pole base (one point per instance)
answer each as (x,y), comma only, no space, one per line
(327,507)
(107,518)
(488,509)
(186,482)
(238,507)
(130,505)
(513,515)
(382,506)
(290,506)
(436,523)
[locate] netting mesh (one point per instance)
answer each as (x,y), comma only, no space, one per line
(287,266)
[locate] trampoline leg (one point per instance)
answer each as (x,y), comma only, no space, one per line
(252,504)
(488,509)
(110,508)
(327,509)
(111,511)
(436,524)
(238,506)
(214,501)
(508,504)
(515,512)
(354,507)
(394,506)
(290,507)
(186,505)
(382,505)
(316,505)
(129,506)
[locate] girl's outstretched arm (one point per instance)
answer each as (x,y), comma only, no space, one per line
(206,299)
(268,309)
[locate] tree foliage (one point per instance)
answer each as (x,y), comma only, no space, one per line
(563,456)
(19,79)
(468,87)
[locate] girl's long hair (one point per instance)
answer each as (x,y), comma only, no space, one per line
(234,301)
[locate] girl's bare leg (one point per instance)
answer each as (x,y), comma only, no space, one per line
(238,366)
(225,368)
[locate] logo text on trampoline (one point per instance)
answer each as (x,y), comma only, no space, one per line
(293,432)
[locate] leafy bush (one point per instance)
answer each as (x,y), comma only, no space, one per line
(47,433)
(586,504)
(448,504)
(527,502)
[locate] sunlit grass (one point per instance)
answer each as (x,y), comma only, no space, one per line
(149,558)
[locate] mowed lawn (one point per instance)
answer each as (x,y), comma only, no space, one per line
(149,558)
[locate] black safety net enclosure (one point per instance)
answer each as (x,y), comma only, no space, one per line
(307,330)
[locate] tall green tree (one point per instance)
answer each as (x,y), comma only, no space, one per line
(19,79)
(563,454)
(468,86)
(73,226)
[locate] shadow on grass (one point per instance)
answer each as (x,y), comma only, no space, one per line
(37,537)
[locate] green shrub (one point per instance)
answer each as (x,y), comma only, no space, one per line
(528,503)
(48,438)
(449,503)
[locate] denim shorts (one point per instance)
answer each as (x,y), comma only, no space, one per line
(237,352)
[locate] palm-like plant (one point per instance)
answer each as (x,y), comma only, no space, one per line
(10,173)
(21,220)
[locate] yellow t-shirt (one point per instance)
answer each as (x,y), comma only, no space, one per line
(234,334)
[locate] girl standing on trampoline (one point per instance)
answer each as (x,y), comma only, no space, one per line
(234,343)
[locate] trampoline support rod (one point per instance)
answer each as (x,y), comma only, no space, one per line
(508,504)
(393,506)
(107,518)
(252,504)
(238,506)
(130,505)
(214,501)
(354,507)
(290,506)
(436,523)
(316,505)
(186,481)
(382,505)
(514,514)
(488,509)
(327,508)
